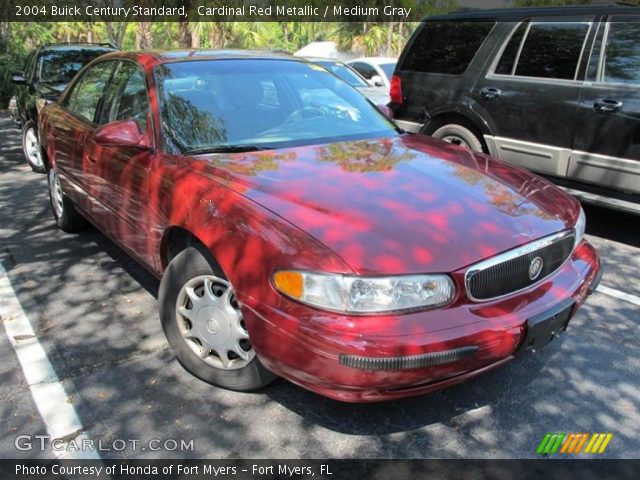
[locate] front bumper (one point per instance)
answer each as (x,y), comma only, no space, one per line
(413,353)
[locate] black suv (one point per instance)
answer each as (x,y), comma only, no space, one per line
(47,71)
(555,90)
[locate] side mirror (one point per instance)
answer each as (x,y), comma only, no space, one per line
(376,81)
(124,133)
(385,110)
(18,79)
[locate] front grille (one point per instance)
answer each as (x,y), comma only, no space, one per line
(509,272)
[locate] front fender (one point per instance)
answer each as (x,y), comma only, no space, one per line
(248,241)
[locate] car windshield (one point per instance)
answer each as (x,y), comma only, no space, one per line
(388,68)
(257,104)
(60,66)
(345,73)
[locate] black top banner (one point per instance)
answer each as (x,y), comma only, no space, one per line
(217,10)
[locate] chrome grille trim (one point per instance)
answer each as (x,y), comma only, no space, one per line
(501,259)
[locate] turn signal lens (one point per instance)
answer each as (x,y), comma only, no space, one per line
(289,283)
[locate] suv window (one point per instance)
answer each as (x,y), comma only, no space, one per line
(622,53)
(87,92)
(551,49)
(60,65)
(127,98)
(446,47)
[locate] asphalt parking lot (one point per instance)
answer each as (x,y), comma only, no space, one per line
(93,311)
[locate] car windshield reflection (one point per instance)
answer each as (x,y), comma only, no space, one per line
(280,103)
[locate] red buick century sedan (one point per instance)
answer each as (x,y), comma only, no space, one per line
(298,233)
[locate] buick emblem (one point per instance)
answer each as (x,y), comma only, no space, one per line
(535,268)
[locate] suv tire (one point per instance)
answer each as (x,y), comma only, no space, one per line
(459,135)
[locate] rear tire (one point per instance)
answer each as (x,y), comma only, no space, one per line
(31,148)
(67,217)
(203,324)
(459,135)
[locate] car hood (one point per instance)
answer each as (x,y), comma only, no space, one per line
(406,204)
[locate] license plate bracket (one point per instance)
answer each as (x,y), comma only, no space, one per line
(543,328)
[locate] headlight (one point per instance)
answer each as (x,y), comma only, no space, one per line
(580,227)
(365,295)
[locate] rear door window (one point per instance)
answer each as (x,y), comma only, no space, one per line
(127,98)
(88,91)
(622,53)
(364,69)
(545,49)
(446,47)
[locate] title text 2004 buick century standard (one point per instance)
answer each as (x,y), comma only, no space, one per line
(298,233)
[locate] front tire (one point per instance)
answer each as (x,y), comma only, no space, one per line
(67,217)
(204,325)
(31,148)
(459,135)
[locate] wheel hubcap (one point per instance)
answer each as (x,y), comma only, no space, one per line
(55,190)
(32,147)
(211,324)
(455,140)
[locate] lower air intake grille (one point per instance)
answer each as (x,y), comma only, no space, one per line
(405,363)
(519,268)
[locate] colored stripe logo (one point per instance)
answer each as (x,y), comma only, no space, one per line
(572,443)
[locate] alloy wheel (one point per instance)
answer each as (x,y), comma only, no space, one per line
(32,147)
(55,190)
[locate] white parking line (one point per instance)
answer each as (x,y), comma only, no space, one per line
(612,292)
(49,395)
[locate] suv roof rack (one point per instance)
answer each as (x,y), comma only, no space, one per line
(101,44)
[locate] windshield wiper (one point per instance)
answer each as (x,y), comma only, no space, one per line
(227,149)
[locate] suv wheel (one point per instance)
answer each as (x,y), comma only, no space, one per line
(459,135)
(203,323)
(31,148)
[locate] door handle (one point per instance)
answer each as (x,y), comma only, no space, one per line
(606,105)
(490,93)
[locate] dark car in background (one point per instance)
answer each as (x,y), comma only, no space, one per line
(555,90)
(47,71)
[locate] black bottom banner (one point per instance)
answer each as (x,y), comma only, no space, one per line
(546,469)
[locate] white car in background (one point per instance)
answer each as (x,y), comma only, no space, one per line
(376,70)
(378,95)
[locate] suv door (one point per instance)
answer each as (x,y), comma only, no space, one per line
(22,91)
(607,137)
(531,92)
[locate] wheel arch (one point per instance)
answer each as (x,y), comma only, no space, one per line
(467,119)
(176,239)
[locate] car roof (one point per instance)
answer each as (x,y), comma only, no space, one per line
(157,57)
(376,60)
(515,14)
(322,59)
(77,46)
